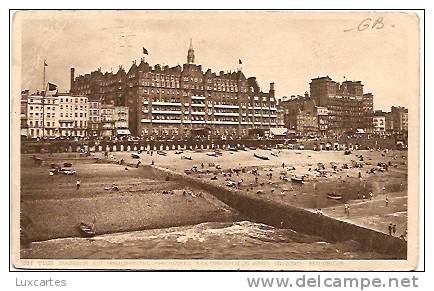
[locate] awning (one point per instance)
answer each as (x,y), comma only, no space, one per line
(278,131)
(123,131)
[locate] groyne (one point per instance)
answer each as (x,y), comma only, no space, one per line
(301,220)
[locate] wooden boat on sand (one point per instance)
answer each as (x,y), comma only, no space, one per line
(86,230)
(334,196)
(262,157)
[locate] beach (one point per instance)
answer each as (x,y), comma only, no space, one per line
(145,208)
(52,207)
(365,196)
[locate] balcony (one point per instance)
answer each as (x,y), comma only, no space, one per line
(226,114)
(226,106)
(164,112)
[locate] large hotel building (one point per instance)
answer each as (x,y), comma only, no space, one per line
(170,102)
(348,107)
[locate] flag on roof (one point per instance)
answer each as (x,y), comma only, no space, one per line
(52,87)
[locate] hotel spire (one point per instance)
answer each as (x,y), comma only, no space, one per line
(190,55)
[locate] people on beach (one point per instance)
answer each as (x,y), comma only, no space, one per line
(390,228)
(394,229)
(78,184)
(115,187)
(387,200)
(404,235)
(371,195)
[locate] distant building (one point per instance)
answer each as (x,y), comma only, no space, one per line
(114,120)
(399,118)
(35,116)
(322,114)
(94,123)
(300,114)
(54,115)
(307,123)
(73,114)
(120,117)
(389,122)
(349,108)
(379,122)
(23,113)
(51,116)
(107,120)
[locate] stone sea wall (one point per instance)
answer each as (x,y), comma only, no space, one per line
(300,220)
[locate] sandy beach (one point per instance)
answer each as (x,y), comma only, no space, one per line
(51,206)
(363,188)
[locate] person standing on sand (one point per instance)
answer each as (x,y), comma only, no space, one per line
(394,229)
(78,184)
(390,229)
(348,210)
(387,200)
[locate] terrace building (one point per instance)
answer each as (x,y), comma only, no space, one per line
(94,122)
(72,114)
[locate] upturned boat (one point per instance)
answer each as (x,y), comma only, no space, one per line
(262,157)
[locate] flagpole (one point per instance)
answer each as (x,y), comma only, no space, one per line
(43,80)
(43,105)
(43,100)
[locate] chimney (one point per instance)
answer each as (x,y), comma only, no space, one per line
(72,79)
(272,89)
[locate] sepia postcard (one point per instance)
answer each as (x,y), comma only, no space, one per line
(215,140)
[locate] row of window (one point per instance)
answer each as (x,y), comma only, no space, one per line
(82,115)
(76,100)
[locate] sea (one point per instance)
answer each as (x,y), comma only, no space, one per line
(212,240)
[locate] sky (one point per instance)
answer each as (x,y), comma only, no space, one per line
(285,47)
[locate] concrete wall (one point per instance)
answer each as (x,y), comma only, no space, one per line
(300,220)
